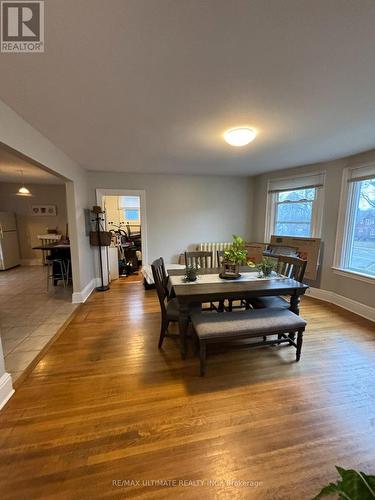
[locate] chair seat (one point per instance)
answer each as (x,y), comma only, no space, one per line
(269,302)
(173,310)
(251,323)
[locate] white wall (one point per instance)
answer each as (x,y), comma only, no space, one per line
(185,210)
(19,135)
(351,288)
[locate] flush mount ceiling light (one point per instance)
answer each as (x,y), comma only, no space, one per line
(23,191)
(239,136)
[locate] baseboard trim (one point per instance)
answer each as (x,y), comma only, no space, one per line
(341,301)
(82,296)
(6,389)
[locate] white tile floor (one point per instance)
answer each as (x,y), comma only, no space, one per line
(29,316)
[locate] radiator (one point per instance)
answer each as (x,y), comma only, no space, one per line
(213,247)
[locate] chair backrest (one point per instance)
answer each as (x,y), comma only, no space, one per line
(202,259)
(220,257)
(160,280)
(293,267)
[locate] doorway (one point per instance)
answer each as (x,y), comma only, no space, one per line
(125,217)
(35,262)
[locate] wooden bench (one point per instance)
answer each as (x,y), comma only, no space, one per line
(226,327)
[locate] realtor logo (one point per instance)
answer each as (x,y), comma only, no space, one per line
(22,26)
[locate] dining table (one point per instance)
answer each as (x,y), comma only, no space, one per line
(209,287)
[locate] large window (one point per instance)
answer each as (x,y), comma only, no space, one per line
(357,239)
(294,212)
(294,206)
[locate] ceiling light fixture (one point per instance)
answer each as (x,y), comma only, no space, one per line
(23,191)
(239,136)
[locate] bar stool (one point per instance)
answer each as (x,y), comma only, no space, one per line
(59,276)
(68,267)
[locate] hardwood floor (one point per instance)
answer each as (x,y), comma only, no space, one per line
(105,405)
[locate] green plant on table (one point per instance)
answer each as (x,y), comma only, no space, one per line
(266,266)
(237,252)
(352,485)
(191,273)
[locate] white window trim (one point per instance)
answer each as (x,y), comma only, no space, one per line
(347,273)
(343,230)
(317,215)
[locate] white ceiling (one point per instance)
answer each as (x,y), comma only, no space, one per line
(151,85)
(10,166)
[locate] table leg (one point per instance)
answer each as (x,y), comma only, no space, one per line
(183,323)
(294,303)
(294,307)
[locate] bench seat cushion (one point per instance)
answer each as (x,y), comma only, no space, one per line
(251,323)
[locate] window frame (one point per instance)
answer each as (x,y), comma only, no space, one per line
(345,227)
(317,207)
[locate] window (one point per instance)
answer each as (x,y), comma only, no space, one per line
(131,213)
(294,206)
(356,241)
(130,206)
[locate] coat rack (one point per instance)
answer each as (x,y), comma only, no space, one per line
(100,241)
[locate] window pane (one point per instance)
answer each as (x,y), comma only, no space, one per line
(130,201)
(298,194)
(294,212)
(362,252)
(131,214)
(292,229)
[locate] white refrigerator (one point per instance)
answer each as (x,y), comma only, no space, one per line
(9,249)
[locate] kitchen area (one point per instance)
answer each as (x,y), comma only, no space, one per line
(35,266)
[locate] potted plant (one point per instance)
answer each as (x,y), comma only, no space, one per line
(265,267)
(353,485)
(191,273)
(235,255)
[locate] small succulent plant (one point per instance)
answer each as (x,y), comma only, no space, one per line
(266,266)
(191,273)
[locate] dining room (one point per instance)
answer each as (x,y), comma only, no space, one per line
(235,143)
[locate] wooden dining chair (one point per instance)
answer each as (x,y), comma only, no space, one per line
(242,304)
(292,267)
(219,257)
(203,259)
(169,308)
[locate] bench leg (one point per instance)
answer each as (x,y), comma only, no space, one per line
(202,357)
(299,344)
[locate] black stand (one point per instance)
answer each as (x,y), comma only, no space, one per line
(103,287)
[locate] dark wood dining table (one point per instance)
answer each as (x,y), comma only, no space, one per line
(193,294)
(56,246)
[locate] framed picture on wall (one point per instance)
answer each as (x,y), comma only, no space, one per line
(47,210)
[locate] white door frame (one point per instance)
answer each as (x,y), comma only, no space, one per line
(100,193)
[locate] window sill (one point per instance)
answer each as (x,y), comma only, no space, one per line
(354,275)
